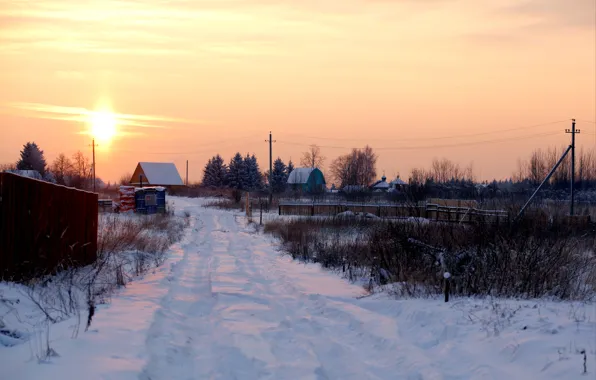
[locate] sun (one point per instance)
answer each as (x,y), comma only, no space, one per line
(103,125)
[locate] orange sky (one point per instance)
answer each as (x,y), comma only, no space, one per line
(199,77)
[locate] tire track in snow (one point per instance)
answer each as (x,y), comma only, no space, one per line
(232,313)
(171,338)
(360,329)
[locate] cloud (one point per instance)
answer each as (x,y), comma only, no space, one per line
(130,122)
(558,13)
(154,27)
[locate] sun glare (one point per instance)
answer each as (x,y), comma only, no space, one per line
(103,125)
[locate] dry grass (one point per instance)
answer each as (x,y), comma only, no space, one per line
(526,260)
(128,246)
(225,204)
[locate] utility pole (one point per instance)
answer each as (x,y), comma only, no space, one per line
(93,165)
(187,173)
(270,141)
(573,132)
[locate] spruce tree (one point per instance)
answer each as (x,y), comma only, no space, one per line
(32,158)
(254,181)
(279,176)
(215,172)
(290,167)
(236,173)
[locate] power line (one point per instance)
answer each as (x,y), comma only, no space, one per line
(434,146)
(587,121)
(210,144)
(432,138)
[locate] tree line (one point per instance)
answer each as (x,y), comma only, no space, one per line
(243,173)
(540,162)
(74,171)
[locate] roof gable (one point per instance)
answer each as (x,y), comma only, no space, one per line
(398,181)
(161,173)
(300,175)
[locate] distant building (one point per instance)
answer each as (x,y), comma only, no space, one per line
(381,186)
(156,174)
(308,180)
(397,184)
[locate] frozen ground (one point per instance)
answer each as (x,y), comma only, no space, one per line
(227,305)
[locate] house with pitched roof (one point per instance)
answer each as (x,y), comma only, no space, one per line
(162,174)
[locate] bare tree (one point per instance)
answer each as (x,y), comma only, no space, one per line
(340,170)
(442,171)
(7,167)
(541,162)
(125,179)
(537,167)
(81,177)
(445,170)
(62,169)
(355,168)
(520,172)
(419,176)
(313,158)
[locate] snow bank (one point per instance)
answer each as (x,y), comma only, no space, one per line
(229,306)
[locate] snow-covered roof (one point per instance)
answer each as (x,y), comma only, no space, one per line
(27,173)
(299,175)
(398,181)
(381,185)
(161,173)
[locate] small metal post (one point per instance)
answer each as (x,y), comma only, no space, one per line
(447,277)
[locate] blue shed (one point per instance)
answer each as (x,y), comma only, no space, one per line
(150,200)
(308,180)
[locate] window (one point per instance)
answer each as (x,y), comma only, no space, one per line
(150,199)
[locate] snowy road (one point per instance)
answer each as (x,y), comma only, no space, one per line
(228,305)
(232,312)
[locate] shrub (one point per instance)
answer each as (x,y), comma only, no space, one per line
(529,259)
(127,246)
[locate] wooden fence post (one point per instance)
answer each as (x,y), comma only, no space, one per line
(447,277)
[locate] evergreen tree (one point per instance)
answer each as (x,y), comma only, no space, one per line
(215,172)
(236,178)
(254,181)
(32,159)
(279,176)
(290,167)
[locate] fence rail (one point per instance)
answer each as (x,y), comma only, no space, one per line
(429,211)
(43,225)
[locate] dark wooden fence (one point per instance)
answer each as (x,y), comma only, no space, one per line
(43,225)
(429,211)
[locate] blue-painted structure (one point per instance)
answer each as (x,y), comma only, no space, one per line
(307,180)
(150,200)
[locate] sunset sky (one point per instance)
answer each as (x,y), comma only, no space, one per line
(415,79)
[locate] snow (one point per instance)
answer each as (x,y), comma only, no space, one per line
(228,305)
(398,182)
(381,185)
(27,173)
(299,175)
(161,173)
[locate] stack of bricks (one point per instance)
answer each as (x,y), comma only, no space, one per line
(127,198)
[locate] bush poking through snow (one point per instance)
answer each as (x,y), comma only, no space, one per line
(226,204)
(127,247)
(532,260)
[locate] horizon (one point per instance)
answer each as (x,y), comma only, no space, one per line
(470,81)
